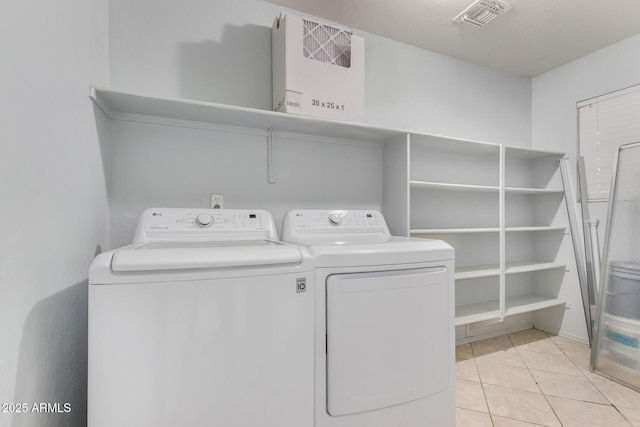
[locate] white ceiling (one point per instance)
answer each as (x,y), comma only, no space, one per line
(533,37)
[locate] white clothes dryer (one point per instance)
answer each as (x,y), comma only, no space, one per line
(384,321)
(205,320)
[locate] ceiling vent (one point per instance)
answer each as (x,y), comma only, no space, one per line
(482,11)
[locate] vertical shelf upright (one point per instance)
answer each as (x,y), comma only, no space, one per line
(502,209)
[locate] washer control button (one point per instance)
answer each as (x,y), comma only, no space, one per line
(204,220)
(335,219)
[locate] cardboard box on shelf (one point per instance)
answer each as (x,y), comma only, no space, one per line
(318,69)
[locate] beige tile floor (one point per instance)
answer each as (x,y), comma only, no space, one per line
(532,378)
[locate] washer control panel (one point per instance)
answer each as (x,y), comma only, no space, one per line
(180,224)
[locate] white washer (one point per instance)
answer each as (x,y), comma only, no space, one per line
(206,319)
(385,344)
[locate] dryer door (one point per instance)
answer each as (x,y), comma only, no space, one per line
(388,338)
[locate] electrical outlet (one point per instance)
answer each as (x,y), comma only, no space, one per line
(217,201)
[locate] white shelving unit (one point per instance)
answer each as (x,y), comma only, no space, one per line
(498,206)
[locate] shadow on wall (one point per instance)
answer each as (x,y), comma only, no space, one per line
(52,366)
(235,70)
(102,129)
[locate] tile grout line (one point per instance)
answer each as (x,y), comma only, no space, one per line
(534,378)
(587,378)
(484,394)
(593,384)
(491,415)
(608,400)
(543,393)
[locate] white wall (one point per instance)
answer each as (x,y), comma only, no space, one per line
(220,51)
(414,89)
(554,114)
(169,166)
(53,209)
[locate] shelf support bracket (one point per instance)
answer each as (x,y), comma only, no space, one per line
(272,140)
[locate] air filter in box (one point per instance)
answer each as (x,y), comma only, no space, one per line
(318,69)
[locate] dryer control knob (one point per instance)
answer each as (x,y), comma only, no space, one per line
(335,219)
(204,220)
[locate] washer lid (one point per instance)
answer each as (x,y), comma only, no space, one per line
(199,255)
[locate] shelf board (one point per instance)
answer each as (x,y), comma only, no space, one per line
(481,188)
(530,153)
(528,303)
(418,231)
(455,145)
(536,228)
(119,105)
(525,267)
(490,270)
(522,190)
(453,187)
(478,312)
(477,271)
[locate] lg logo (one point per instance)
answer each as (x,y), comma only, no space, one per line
(301,284)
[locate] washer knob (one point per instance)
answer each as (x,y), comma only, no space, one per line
(204,220)
(335,219)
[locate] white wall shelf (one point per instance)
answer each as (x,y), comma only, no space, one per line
(525,153)
(528,266)
(533,191)
(150,109)
(490,270)
(528,303)
(453,187)
(477,271)
(536,228)
(428,231)
(479,312)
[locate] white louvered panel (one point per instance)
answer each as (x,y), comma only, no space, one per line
(588,117)
(605,123)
